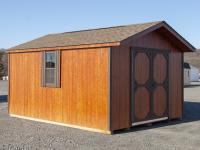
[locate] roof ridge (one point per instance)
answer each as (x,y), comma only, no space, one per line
(102,28)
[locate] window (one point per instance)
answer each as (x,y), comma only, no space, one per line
(51,69)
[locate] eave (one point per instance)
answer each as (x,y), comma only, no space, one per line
(73,47)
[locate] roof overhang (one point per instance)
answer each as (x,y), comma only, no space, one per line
(175,36)
(86,46)
(167,31)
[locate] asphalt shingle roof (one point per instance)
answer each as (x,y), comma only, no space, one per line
(93,36)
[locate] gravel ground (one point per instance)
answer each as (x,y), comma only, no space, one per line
(175,135)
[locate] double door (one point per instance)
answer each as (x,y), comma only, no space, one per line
(150,85)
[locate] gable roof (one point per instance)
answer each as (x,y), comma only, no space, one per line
(93,36)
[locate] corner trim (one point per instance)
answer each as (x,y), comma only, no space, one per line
(109,88)
(182,79)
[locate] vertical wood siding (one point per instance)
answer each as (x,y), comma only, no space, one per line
(82,99)
(176,85)
(120,88)
(121,77)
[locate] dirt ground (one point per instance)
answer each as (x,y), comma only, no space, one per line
(175,135)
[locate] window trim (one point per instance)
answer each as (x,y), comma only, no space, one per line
(56,84)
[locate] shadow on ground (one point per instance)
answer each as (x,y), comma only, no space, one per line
(193,85)
(191,113)
(3,98)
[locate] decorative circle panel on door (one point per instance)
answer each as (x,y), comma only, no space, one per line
(159,101)
(142,68)
(160,68)
(142,103)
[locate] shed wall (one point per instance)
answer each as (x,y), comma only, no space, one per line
(82,99)
(121,77)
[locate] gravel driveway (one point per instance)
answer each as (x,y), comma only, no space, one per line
(176,135)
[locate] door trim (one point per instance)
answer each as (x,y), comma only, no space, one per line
(149,121)
(134,51)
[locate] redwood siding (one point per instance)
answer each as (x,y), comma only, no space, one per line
(176,87)
(121,77)
(120,87)
(82,99)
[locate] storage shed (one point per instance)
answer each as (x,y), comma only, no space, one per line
(101,79)
(187,73)
(194,75)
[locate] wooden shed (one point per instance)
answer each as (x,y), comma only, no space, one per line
(101,79)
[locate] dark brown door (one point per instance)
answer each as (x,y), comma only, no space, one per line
(150,93)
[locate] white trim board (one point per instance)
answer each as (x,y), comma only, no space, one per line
(149,121)
(62,124)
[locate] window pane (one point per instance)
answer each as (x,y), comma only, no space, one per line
(51,69)
(50,76)
(50,60)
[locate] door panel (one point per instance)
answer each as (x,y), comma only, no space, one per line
(159,101)
(141,74)
(142,103)
(160,68)
(150,93)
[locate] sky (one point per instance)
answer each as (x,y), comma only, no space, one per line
(24,20)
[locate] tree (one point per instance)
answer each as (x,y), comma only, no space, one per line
(3,63)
